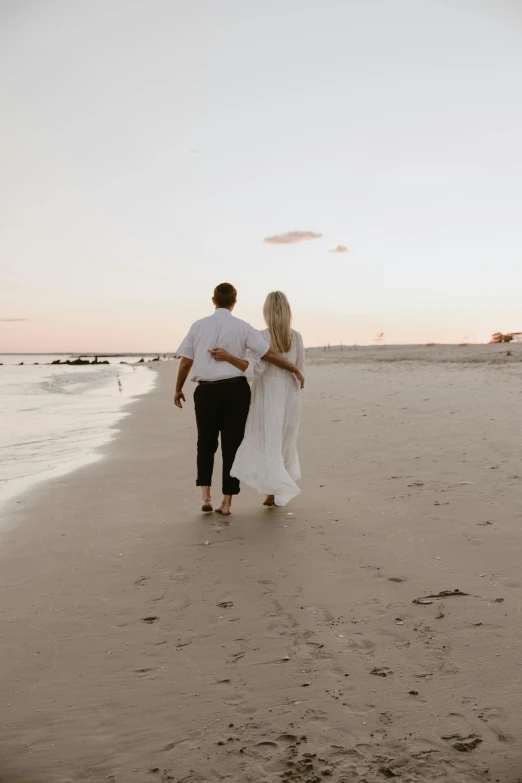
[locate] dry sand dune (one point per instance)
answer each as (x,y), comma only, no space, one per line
(144,642)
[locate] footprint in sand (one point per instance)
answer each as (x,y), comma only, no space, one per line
(459,732)
(287,756)
(316,716)
(463,744)
(400,642)
(361,644)
(381,671)
(309,648)
(381,760)
(492,713)
(494,717)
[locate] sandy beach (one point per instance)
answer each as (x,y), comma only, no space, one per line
(369,631)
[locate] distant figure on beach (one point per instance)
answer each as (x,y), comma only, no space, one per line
(267,458)
(222,396)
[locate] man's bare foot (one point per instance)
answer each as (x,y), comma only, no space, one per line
(226,506)
(269,500)
(206,501)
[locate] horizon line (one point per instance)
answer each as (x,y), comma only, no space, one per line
(321,346)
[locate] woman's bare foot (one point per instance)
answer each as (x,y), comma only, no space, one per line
(226,506)
(269,500)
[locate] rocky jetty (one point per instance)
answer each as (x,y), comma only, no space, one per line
(79,360)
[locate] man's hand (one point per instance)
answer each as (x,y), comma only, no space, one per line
(220,355)
(300,378)
(184,368)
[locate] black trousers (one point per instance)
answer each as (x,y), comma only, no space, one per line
(221,409)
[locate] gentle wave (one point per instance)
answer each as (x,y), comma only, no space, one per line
(55,418)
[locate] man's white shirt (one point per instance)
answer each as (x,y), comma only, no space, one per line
(220,330)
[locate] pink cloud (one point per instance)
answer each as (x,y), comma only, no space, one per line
(291,238)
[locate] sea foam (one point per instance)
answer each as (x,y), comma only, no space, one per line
(56,418)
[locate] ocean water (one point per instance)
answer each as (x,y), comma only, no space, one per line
(54,419)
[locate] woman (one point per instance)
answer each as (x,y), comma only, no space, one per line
(267,459)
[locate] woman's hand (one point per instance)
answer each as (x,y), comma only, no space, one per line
(300,378)
(220,355)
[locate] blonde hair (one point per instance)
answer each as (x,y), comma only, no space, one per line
(278,318)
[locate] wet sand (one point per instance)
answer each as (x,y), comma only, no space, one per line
(142,641)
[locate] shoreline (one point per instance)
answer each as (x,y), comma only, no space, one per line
(143,640)
(18,486)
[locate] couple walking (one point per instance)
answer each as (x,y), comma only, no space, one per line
(258,425)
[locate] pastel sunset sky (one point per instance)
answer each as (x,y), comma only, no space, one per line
(150,148)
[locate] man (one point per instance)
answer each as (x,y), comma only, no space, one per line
(222,396)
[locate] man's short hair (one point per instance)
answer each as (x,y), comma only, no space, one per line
(225,295)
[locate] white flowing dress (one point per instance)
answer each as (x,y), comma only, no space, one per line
(267,458)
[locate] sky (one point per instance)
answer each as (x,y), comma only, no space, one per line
(149,148)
